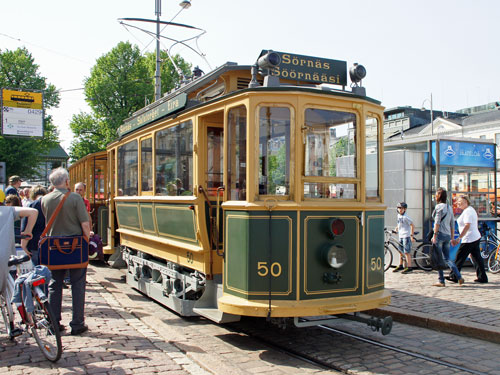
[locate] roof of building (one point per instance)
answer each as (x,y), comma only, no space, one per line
(57,152)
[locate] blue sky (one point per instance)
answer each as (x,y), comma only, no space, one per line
(410,48)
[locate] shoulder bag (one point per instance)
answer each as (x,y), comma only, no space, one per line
(62,252)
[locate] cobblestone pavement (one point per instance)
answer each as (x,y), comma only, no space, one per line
(472,309)
(131,334)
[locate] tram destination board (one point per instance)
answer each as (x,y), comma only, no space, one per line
(310,69)
(166,108)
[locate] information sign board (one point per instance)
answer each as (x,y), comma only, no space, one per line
(22,113)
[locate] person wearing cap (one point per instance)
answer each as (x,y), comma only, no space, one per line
(405,229)
(14,184)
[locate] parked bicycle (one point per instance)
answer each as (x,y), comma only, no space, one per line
(489,241)
(420,255)
(40,323)
(494,260)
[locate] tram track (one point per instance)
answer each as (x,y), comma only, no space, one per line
(324,361)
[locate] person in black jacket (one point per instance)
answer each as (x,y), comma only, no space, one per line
(36,195)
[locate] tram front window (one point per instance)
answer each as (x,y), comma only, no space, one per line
(274,151)
(329,153)
(237,153)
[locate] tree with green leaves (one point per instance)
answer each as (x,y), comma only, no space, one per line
(24,155)
(120,83)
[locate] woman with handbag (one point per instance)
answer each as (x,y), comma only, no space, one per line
(444,228)
(469,238)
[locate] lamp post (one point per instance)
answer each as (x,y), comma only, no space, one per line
(432,113)
(184,4)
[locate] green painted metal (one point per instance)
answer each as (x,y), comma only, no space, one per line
(256,266)
(318,278)
(176,221)
(374,266)
(102,223)
(148,222)
(128,216)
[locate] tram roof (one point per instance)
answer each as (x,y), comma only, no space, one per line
(208,80)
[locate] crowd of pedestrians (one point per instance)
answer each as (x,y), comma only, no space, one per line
(441,237)
(36,206)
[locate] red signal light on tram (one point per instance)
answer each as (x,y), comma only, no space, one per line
(338,227)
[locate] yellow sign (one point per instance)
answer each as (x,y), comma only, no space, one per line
(22,99)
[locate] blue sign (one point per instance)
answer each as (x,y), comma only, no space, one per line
(464,154)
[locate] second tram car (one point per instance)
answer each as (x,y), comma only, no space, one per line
(255,191)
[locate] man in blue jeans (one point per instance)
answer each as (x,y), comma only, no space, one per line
(72,220)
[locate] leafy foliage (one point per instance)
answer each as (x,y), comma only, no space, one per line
(23,155)
(120,83)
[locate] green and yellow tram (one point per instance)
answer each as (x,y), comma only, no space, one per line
(255,191)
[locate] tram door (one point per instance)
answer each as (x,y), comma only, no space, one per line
(213,126)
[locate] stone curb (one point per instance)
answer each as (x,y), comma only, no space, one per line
(449,325)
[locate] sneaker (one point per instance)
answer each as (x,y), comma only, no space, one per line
(461,282)
(452,279)
(439,284)
(407,270)
(398,268)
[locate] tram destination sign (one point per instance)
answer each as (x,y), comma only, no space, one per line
(166,108)
(310,69)
(22,113)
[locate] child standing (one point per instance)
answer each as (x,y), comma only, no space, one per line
(405,231)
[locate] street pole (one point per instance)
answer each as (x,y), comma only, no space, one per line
(432,118)
(158,60)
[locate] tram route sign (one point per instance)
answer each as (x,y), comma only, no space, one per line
(166,108)
(22,113)
(310,69)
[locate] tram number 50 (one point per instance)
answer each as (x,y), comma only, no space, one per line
(376,264)
(263,269)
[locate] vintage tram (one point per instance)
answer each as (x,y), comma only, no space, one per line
(92,171)
(255,191)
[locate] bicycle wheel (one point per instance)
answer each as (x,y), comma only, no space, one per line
(494,262)
(387,258)
(45,331)
(5,314)
(487,247)
(421,257)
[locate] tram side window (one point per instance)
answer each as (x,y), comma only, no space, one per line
(237,153)
(329,151)
(274,151)
(128,169)
(174,160)
(372,162)
(147,164)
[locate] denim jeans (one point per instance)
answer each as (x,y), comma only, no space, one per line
(443,244)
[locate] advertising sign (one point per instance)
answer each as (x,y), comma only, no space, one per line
(464,154)
(22,113)
(311,69)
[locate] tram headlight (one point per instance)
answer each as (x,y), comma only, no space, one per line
(335,256)
(357,72)
(269,61)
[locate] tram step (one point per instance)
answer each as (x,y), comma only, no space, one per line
(216,315)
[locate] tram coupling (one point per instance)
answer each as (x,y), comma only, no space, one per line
(384,325)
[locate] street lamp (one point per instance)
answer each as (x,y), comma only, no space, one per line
(432,114)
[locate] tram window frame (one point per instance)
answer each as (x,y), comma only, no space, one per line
(150,183)
(346,188)
(289,166)
(369,170)
(237,152)
(124,169)
(177,184)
